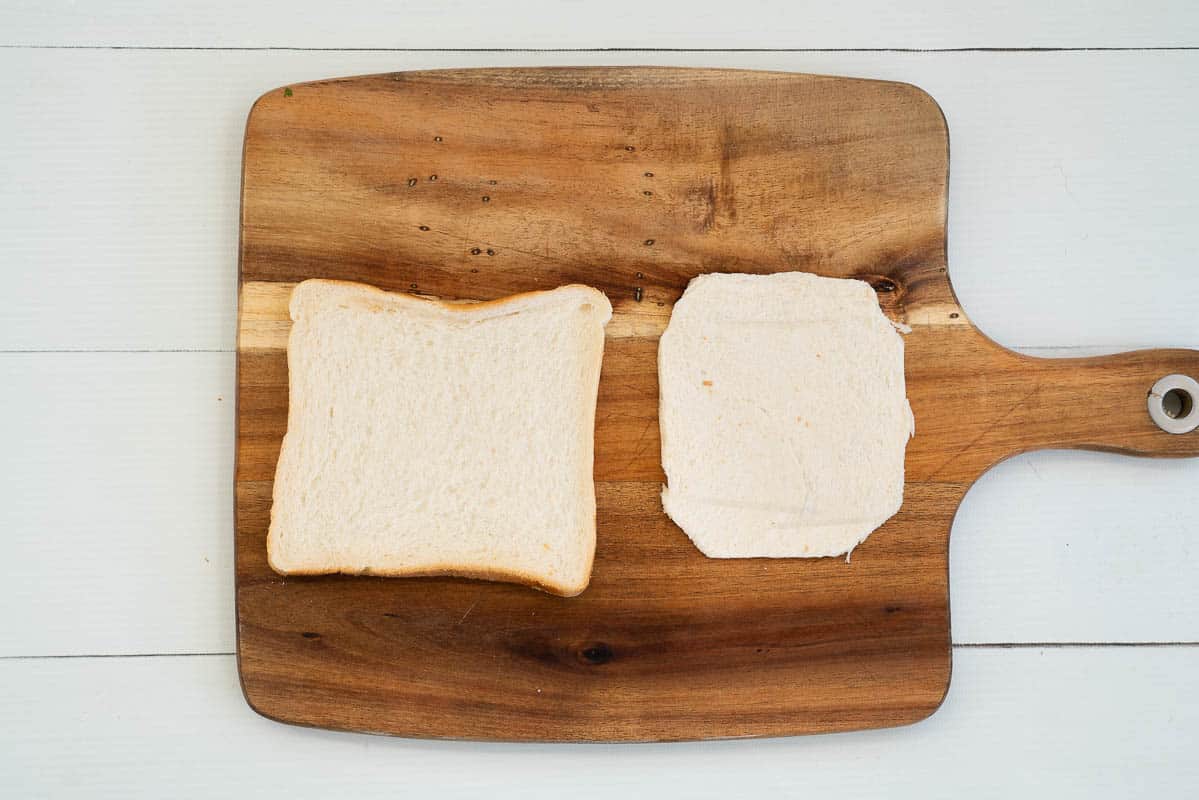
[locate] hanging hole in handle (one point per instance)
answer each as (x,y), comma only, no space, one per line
(1177,404)
(1172,404)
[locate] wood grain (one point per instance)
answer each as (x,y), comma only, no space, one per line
(479,184)
(1050,201)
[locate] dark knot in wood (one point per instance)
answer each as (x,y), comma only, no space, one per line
(598,653)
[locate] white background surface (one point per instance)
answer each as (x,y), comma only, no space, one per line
(1073,214)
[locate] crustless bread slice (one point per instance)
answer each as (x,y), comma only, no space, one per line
(783,414)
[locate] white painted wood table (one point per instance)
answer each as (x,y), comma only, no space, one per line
(1073,221)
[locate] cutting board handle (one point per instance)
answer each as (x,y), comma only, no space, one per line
(1104,402)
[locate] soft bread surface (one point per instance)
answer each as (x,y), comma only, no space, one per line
(783,415)
(432,438)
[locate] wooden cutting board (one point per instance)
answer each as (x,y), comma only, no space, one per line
(483,183)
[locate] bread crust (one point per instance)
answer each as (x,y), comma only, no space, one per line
(483,308)
(449,571)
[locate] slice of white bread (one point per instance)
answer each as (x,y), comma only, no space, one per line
(783,414)
(432,438)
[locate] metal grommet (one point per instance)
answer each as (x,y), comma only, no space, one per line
(1174,404)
